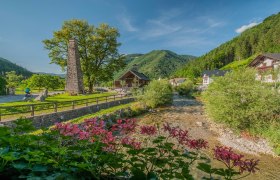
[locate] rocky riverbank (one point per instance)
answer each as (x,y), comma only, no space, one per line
(189,114)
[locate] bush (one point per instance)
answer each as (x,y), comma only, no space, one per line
(186,88)
(243,103)
(157,93)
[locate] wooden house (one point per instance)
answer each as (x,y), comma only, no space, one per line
(131,78)
(207,75)
(177,81)
(266,64)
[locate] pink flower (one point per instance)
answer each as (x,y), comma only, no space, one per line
(149,130)
(231,159)
(131,142)
(83,135)
(249,165)
(125,126)
(110,148)
(197,144)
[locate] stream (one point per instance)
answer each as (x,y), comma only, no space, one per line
(189,114)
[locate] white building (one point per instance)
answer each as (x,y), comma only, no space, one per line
(267,64)
(207,75)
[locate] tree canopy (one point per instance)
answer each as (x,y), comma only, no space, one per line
(98,49)
(13,80)
(45,81)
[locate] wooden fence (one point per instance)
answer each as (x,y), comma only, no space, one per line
(30,110)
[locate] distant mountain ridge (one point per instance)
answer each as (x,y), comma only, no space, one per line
(156,64)
(52,74)
(263,38)
(7,66)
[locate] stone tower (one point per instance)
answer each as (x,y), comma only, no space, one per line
(74,81)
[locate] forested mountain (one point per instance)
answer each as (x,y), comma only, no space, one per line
(156,64)
(263,38)
(7,66)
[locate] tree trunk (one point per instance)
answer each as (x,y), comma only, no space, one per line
(90,87)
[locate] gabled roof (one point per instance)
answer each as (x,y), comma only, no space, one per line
(215,72)
(274,56)
(141,76)
(178,80)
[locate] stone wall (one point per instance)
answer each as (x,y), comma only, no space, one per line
(50,119)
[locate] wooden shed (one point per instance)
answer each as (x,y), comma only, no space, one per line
(131,78)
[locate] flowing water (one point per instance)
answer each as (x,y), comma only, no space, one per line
(188,114)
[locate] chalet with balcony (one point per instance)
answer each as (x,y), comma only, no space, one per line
(266,64)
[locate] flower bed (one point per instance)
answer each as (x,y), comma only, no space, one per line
(98,149)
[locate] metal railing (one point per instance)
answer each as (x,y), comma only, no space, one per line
(30,110)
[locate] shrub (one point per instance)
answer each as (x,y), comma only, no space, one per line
(240,101)
(157,93)
(186,88)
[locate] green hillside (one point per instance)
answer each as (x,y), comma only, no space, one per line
(263,38)
(157,63)
(6,66)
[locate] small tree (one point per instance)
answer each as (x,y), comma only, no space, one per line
(186,88)
(157,93)
(13,80)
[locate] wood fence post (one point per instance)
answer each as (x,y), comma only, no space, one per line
(106,99)
(114,97)
(96,100)
(73,104)
(0,113)
(87,103)
(32,110)
(55,107)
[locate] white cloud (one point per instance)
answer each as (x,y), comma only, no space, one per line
(126,22)
(245,27)
(163,25)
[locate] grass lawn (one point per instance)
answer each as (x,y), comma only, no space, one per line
(66,97)
(13,110)
(59,98)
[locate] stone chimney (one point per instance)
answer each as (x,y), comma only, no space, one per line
(74,81)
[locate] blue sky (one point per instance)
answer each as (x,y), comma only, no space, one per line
(183,26)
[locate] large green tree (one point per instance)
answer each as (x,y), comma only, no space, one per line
(98,49)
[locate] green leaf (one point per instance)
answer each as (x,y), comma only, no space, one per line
(186,173)
(204,167)
(39,168)
(138,174)
(20,165)
(11,156)
(152,176)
